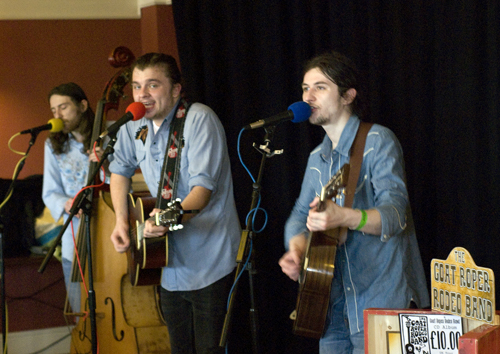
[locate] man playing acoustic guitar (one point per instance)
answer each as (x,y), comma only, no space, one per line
(378,264)
(202,256)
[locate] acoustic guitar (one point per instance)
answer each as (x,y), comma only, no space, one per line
(147,256)
(318,265)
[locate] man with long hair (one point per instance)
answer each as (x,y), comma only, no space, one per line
(66,163)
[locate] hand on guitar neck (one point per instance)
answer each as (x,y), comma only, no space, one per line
(326,215)
(334,216)
(162,221)
(151,229)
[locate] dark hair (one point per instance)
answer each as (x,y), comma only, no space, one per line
(164,61)
(59,140)
(342,71)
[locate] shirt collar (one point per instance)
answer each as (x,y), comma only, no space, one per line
(345,141)
(168,118)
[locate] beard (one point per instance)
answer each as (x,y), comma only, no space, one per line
(319,120)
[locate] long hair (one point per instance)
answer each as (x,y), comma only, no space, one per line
(342,71)
(60,140)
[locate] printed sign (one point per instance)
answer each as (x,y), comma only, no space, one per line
(461,288)
(430,334)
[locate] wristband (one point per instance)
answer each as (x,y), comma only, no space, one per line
(362,222)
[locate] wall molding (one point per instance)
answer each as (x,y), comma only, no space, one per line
(74,9)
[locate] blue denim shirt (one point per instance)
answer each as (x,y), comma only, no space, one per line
(383,270)
(63,177)
(204,251)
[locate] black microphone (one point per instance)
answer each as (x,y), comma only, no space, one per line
(54,125)
(135,111)
(297,112)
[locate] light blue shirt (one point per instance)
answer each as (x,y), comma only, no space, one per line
(63,177)
(385,270)
(204,251)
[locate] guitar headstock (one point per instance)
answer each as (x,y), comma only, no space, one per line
(336,183)
(171,216)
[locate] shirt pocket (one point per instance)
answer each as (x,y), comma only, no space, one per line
(140,155)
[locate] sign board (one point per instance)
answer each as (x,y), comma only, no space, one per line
(384,331)
(461,288)
(430,334)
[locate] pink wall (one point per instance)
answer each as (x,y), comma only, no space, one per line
(37,55)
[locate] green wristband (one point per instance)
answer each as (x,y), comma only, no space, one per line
(362,222)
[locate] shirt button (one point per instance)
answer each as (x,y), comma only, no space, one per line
(348,289)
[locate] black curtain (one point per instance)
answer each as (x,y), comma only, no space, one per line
(18,216)
(431,73)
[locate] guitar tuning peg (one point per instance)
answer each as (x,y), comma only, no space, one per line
(175,227)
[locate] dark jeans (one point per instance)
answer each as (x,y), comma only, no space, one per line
(195,318)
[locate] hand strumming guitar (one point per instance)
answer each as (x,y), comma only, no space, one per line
(291,261)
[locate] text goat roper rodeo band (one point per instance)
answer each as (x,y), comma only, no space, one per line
(469,279)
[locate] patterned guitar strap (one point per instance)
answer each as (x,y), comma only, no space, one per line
(167,189)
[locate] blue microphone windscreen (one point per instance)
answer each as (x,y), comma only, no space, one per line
(301,111)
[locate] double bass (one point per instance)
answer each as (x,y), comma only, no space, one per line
(127,319)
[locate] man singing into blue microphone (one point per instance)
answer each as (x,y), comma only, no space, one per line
(378,264)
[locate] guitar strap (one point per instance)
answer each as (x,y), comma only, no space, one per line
(357,150)
(167,189)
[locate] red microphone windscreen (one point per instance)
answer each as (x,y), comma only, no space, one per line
(137,109)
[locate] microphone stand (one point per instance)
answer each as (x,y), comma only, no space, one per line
(244,252)
(2,244)
(84,202)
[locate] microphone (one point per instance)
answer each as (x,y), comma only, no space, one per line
(54,125)
(297,112)
(135,111)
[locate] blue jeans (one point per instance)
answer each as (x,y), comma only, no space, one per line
(337,338)
(195,318)
(72,288)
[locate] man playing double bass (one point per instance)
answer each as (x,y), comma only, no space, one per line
(379,263)
(202,256)
(66,164)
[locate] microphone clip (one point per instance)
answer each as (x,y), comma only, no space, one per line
(265,148)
